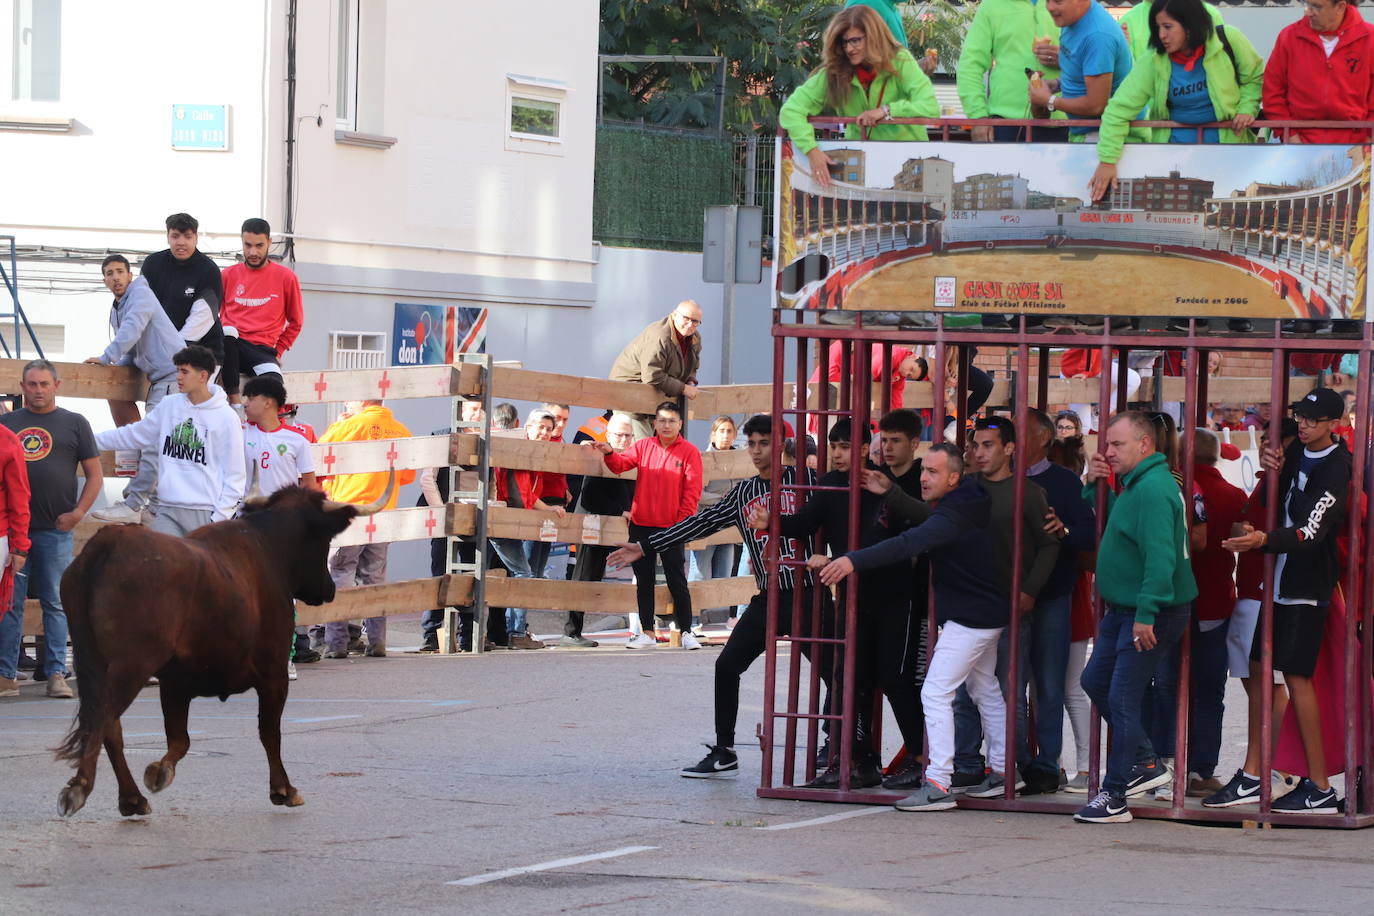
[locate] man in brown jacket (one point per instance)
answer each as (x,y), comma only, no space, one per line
(666,355)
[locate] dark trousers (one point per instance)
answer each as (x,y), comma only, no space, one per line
(432,620)
(1010,134)
(1207,698)
(674,572)
(747,643)
(1116,678)
(899,651)
(590,566)
(243,358)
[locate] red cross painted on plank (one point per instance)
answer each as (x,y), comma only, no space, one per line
(392,454)
(328,461)
(383,384)
(371,527)
(430,523)
(320,387)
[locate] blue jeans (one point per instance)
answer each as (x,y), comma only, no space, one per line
(49,557)
(1115,679)
(537,552)
(513,555)
(1207,699)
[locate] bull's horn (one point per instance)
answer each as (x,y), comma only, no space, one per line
(254,498)
(370,508)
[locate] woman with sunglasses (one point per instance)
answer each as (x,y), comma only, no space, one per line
(865,74)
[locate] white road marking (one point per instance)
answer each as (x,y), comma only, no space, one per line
(829,818)
(545,866)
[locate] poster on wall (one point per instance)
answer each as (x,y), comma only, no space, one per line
(430,335)
(1265,231)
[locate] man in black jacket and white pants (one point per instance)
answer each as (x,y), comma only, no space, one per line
(1314,480)
(972,611)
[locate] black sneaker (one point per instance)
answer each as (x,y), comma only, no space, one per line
(1040,781)
(1105,808)
(356,646)
(1240,325)
(907,777)
(823,755)
(1241,790)
(27,662)
(1308,799)
(306,656)
(959,783)
(431,644)
(721,763)
(1147,776)
(1298,326)
(865,775)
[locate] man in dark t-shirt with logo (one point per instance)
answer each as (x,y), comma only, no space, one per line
(54,441)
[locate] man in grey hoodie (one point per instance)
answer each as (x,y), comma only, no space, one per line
(143,337)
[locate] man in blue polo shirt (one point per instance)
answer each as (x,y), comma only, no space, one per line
(1093,60)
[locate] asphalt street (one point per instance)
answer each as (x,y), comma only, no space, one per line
(546,781)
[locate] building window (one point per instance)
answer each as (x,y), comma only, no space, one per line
(355,350)
(35,47)
(346,89)
(534,118)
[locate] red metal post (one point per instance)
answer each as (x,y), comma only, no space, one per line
(1018,546)
(770,638)
(1185,647)
(1264,628)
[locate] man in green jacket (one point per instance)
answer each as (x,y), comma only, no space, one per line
(1005,39)
(1146,581)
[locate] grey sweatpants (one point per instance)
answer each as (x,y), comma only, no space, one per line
(360,564)
(178,521)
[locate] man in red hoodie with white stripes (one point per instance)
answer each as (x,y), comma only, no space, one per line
(1320,71)
(667,490)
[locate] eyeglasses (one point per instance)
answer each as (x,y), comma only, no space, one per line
(670,420)
(1312,421)
(848,43)
(694,322)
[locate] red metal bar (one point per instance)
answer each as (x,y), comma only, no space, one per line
(1185,647)
(1042,387)
(861,399)
(1104,398)
(770,646)
(1353,660)
(1018,546)
(794,659)
(1264,628)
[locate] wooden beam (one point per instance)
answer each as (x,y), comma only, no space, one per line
(388,600)
(610,597)
(529,385)
(740,401)
(395,383)
(415,524)
(81,380)
(572,528)
(377,455)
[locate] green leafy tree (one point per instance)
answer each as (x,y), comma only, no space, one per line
(939,25)
(771,47)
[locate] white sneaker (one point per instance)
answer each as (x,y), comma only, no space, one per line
(690,642)
(118,514)
(641,641)
(290,670)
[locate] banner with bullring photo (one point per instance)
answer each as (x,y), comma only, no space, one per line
(1263,231)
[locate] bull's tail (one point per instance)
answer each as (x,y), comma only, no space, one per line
(78,598)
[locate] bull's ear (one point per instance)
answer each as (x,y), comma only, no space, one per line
(332,521)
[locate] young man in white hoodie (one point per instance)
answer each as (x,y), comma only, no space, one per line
(199,443)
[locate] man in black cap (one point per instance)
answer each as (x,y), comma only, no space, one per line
(1314,477)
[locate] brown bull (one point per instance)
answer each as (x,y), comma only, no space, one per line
(210,614)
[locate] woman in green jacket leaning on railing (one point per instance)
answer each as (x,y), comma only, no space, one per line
(1198,73)
(866,75)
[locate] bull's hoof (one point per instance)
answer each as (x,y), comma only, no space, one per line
(71,799)
(159,775)
(136,805)
(290,798)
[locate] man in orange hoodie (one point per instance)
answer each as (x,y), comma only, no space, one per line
(361,564)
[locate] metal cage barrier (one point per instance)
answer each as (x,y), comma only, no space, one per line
(833,644)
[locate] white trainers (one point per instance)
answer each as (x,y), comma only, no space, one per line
(118,514)
(641,641)
(290,670)
(690,642)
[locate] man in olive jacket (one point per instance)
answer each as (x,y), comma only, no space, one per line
(666,355)
(1146,581)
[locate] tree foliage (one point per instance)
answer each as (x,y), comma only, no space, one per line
(771,47)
